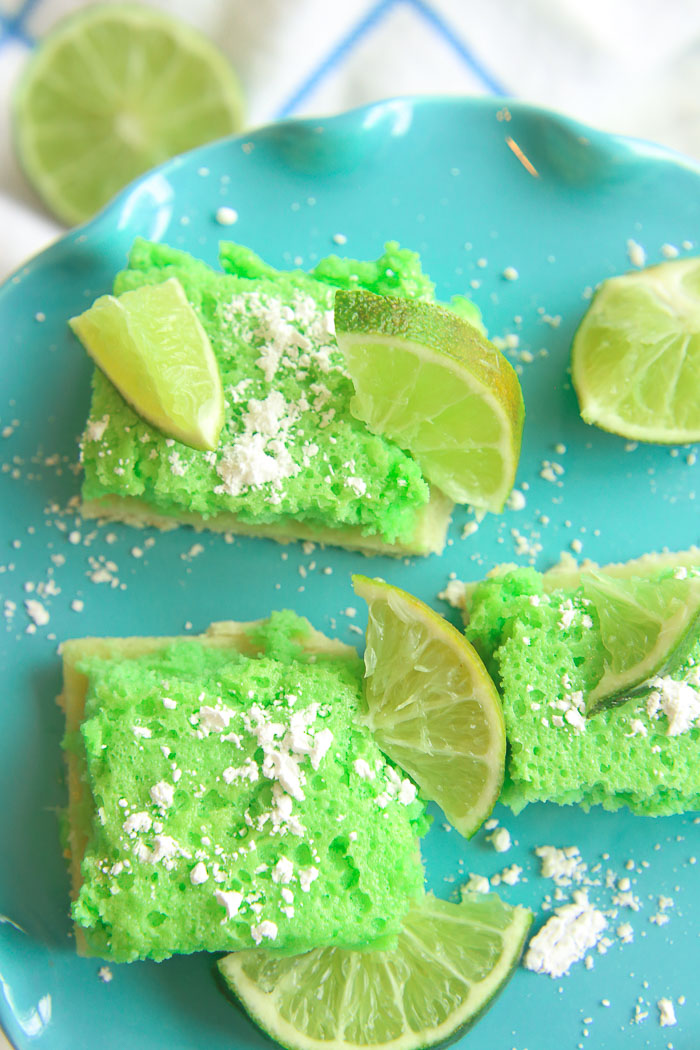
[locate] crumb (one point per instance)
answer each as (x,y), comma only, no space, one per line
(226,216)
(636,254)
(667,1015)
(500,840)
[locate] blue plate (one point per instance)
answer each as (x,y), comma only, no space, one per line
(476,187)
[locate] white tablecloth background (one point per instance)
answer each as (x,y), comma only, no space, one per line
(629,66)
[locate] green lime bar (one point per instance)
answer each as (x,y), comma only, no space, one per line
(540,637)
(224,793)
(292,462)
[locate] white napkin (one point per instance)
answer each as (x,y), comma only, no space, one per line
(629,66)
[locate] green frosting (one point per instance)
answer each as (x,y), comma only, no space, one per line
(239,800)
(287,399)
(545,652)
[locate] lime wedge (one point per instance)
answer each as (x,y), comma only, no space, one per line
(432,706)
(431,381)
(114,90)
(648,627)
(636,356)
(450,962)
(150,343)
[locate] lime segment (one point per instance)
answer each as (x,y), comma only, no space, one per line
(648,627)
(114,90)
(150,343)
(433,708)
(431,381)
(449,963)
(636,355)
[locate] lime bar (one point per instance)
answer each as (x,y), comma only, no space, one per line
(291,461)
(224,793)
(550,640)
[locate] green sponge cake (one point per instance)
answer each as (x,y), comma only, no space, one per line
(225,793)
(541,640)
(292,460)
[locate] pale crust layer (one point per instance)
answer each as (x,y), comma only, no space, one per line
(428,538)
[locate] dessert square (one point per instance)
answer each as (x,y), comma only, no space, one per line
(225,793)
(540,639)
(292,461)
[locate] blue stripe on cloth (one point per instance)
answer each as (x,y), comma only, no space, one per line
(348,42)
(468,57)
(12,27)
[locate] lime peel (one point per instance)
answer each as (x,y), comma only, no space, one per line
(150,343)
(647,628)
(432,705)
(109,93)
(635,359)
(432,382)
(450,962)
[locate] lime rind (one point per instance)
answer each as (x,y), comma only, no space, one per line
(150,343)
(432,705)
(428,379)
(111,91)
(450,962)
(658,634)
(636,355)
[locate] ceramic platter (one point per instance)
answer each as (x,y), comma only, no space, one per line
(475,188)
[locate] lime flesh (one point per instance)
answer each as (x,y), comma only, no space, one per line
(151,345)
(431,704)
(112,91)
(648,627)
(636,355)
(449,963)
(432,382)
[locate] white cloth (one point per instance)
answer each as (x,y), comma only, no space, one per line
(629,66)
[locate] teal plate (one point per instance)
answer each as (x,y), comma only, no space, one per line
(476,188)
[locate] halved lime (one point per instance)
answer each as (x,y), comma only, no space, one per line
(432,706)
(431,381)
(635,358)
(112,91)
(648,627)
(150,343)
(450,962)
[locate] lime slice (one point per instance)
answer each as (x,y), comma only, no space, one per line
(431,381)
(648,627)
(151,345)
(636,355)
(111,92)
(433,708)
(450,962)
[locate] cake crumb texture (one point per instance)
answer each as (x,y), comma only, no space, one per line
(545,652)
(223,807)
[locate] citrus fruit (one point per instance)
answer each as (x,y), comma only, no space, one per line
(636,356)
(150,343)
(449,963)
(432,706)
(112,91)
(647,627)
(432,382)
